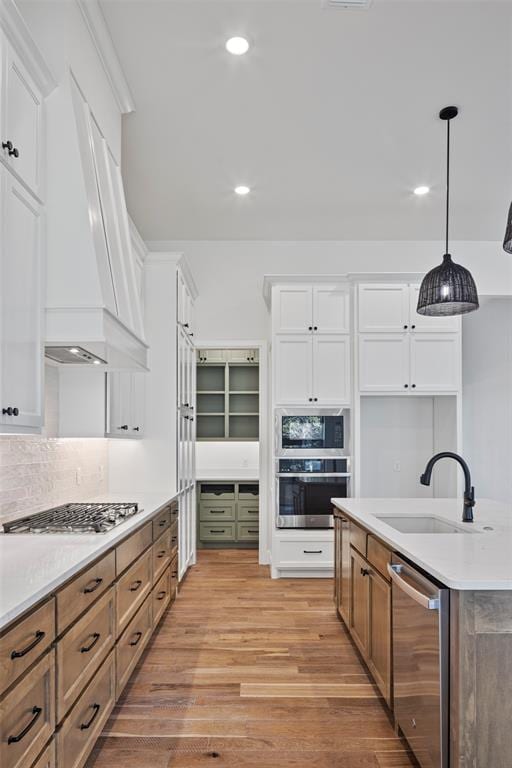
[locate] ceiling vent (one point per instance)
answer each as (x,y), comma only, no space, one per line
(346,4)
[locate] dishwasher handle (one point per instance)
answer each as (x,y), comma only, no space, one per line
(430,603)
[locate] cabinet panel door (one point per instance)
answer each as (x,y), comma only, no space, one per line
(359,601)
(337,561)
(331,309)
(345,570)
(21,313)
(119,404)
(23,122)
(293,370)
(383,308)
(379,635)
(424,324)
(331,369)
(384,362)
(435,362)
(292,309)
(137,408)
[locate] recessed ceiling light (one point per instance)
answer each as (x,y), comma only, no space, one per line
(97,362)
(237,46)
(242,190)
(423,190)
(74,351)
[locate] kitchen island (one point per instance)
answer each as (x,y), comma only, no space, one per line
(472,692)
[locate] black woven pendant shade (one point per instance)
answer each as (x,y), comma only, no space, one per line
(448,289)
(507,243)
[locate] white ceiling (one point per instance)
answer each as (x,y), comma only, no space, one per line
(331,118)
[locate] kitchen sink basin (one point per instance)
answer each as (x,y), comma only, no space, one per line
(417,524)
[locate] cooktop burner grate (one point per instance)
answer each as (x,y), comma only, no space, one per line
(74,518)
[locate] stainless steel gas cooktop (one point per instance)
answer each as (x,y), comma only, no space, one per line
(74,518)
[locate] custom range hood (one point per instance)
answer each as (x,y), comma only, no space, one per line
(93,301)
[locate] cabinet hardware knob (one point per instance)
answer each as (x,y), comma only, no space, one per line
(123,426)
(315,327)
(315,399)
(11,150)
(161,554)
(174,573)
(10,411)
(36,711)
(413,327)
(310,327)
(18,654)
(185,325)
(406,386)
(136,429)
(86,648)
(414,386)
(405,327)
(161,595)
(310,399)
(365,572)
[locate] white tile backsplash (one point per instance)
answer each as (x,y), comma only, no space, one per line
(40,472)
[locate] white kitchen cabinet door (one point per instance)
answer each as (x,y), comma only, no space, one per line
(292,309)
(185,306)
(293,370)
(435,362)
(331,369)
(331,309)
(137,404)
(425,324)
(119,413)
(22,122)
(384,362)
(383,308)
(21,308)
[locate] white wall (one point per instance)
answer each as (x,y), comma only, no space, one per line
(229,275)
(227,459)
(487,398)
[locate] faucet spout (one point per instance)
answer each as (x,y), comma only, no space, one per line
(469,491)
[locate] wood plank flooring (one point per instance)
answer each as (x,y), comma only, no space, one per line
(244,672)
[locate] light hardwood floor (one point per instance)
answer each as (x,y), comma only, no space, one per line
(244,672)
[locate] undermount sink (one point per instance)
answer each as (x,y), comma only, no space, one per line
(417,524)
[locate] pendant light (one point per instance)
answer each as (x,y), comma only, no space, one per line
(507,242)
(448,289)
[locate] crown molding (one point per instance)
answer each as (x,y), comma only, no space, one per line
(17,32)
(100,34)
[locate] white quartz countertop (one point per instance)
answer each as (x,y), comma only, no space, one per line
(480,559)
(34,565)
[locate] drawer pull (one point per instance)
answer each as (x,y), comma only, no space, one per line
(86,648)
(162,523)
(136,584)
(252,511)
(223,531)
(161,595)
(252,531)
(217,511)
(174,573)
(18,654)
(95,584)
(36,711)
(96,708)
(174,539)
(137,637)
(312,551)
(162,553)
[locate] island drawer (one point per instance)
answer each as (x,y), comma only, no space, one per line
(27,716)
(161,553)
(220,491)
(217,531)
(131,590)
(358,538)
(249,511)
(161,595)
(174,538)
(174,577)
(132,642)
(81,728)
(174,510)
(247,531)
(47,759)
(217,511)
(129,550)
(22,644)
(80,593)
(82,649)
(379,556)
(161,522)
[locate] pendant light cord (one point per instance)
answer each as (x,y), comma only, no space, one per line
(447,180)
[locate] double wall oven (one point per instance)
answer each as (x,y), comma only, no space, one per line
(312,465)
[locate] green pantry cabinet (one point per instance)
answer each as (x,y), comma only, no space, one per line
(227,394)
(228,514)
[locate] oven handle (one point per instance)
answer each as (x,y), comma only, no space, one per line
(314,474)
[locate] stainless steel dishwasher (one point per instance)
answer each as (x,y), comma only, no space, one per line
(421,662)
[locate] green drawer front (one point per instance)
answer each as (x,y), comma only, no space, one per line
(249,511)
(216,511)
(219,492)
(217,532)
(247,531)
(249,491)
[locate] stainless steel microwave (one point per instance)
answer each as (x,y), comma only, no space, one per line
(312,432)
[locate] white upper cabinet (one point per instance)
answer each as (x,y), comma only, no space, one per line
(331,309)
(125,409)
(21,308)
(425,324)
(331,369)
(383,308)
(185,307)
(293,376)
(292,309)
(435,363)
(21,122)
(384,362)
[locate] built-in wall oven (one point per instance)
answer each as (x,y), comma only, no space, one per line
(305,487)
(311,432)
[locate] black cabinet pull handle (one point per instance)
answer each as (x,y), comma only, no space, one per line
(86,648)
(174,573)
(136,584)
(161,554)
(96,708)
(249,531)
(312,551)
(18,654)
(12,151)
(174,539)
(10,411)
(137,637)
(365,572)
(123,426)
(36,711)
(162,523)
(95,585)
(217,511)
(136,429)
(161,595)
(223,531)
